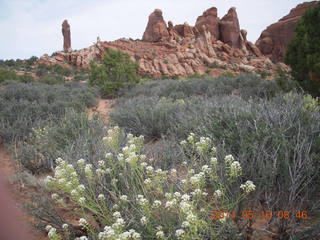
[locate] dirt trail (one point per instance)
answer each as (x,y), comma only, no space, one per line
(103,108)
(17,193)
(16,196)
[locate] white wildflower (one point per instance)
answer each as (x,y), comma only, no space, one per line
(235,169)
(48,227)
(180,233)
(185,197)
(217,193)
(149,169)
(143,220)
(52,232)
(229,159)
(65,226)
(156,203)
(83,222)
(248,186)
(191,217)
(185,224)
(177,194)
(170,204)
(160,234)
(109,156)
(82,200)
(185,206)
(81,162)
(214,161)
(81,187)
(124,198)
(147,181)
(101,197)
(117,214)
(54,196)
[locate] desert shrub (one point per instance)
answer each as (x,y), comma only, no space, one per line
(152,117)
(72,136)
(277,139)
(303,53)
(52,80)
(245,85)
(24,106)
(286,82)
(117,70)
(24,65)
(43,70)
(7,75)
(125,195)
(216,65)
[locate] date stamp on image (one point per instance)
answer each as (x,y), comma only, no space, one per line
(252,214)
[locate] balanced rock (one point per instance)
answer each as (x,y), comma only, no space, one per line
(275,38)
(156,29)
(66,36)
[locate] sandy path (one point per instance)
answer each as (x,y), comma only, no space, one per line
(16,193)
(16,196)
(103,108)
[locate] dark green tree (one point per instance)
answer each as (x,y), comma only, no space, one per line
(303,53)
(117,70)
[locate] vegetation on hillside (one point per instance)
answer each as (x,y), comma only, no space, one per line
(28,71)
(179,159)
(116,71)
(303,53)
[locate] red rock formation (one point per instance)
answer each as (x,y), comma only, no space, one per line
(274,39)
(156,29)
(184,30)
(66,36)
(210,20)
(180,50)
(230,28)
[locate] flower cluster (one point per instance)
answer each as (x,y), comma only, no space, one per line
(126,191)
(248,187)
(112,139)
(65,180)
(203,145)
(116,230)
(234,167)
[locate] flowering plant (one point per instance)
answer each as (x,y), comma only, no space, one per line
(126,196)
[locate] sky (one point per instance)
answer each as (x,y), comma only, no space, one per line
(33,27)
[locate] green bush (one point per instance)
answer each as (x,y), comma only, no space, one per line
(117,70)
(24,106)
(7,75)
(216,65)
(303,53)
(72,136)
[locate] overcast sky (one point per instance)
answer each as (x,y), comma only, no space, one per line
(33,27)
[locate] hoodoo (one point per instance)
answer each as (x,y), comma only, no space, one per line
(66,36)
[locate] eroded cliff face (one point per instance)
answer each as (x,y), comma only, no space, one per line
(275,38)
(212,46)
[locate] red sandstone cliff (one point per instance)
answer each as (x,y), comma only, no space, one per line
(275,38)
